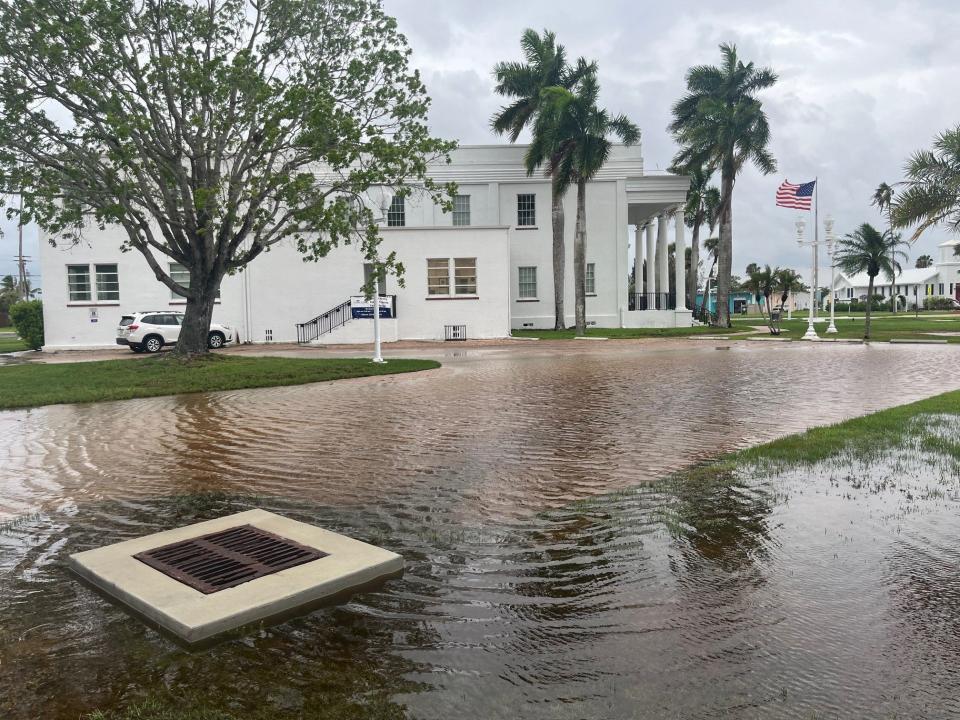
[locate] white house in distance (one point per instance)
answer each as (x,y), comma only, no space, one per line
(942,279)
(477,272)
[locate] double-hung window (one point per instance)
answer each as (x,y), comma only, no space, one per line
(589,280)
(397,213)
(462,271)
(104,288)
(528,283)
(526,210)
(461,210)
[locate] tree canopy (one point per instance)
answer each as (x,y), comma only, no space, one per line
(209,130)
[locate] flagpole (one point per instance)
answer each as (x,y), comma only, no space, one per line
(816,245)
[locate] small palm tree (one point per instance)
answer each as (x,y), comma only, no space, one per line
(924,261)
(789,282)
(762,282)
(720,125)
(546,66)
(711,245)
(883,199)
(579,130)
(868,250)
(932,194)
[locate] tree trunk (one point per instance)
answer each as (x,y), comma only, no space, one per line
(725,249)
(866,324)
(559,259)
(580,259)
(195,329)
(694,265)
(893,273)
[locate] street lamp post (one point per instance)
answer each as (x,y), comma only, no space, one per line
(811,333)
(828,226)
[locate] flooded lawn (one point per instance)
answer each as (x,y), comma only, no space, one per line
(551,571)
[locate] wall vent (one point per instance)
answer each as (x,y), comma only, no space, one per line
(268,335)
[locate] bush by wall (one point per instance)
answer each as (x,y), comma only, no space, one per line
(937,303)
(27,319)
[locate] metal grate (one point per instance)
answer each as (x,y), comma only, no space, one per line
(454,332)
(224,559)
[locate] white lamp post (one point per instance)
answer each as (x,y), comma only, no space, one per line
(382,196)
(811,333)
(828,226)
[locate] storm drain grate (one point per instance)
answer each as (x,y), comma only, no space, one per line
(221,560)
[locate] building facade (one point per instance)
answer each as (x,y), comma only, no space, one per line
(486,267)
(913,285)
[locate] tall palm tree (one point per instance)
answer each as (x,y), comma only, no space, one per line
(546,66)
(572,123)
(868,250)
(701,195)
(720,124)
(883,199)
(932,194)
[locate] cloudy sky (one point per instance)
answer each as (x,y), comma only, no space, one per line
(862,85)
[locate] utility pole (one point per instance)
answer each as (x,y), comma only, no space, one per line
(22,287)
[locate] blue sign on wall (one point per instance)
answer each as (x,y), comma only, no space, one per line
(361,307)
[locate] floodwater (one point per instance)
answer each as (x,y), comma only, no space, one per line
(549,573)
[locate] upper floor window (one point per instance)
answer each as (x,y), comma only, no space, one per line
(526,209)
(590,282)
(461,210)
(397,213)
(528,282)
(106,287)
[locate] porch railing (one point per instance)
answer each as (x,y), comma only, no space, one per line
(652,301)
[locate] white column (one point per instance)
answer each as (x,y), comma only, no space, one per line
(638,263)
(679,264)
(650,289)
(663,257)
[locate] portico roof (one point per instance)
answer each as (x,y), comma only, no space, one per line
(651,194)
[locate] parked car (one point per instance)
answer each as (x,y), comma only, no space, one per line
(150,331)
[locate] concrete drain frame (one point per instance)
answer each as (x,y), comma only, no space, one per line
(249,556)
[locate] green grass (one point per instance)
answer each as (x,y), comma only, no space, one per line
(36,384)
(626,333)
(881,328)
(12,344)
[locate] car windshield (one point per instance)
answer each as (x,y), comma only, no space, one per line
(126,320)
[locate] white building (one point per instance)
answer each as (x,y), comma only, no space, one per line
(942,279)
(486,267)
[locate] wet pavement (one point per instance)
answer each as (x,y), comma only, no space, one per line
(548,574)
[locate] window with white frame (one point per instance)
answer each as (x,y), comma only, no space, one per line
(465,276)
(589,279)
(438,276)
(181,275)
(397,213)
(528,282)
(78,283)
(461,210)
(526,209)
(108,283)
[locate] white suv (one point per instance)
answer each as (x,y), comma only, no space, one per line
(150,331)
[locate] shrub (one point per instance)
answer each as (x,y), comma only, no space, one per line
(937,303)
(27,319)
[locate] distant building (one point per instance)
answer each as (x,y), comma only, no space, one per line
(942,279)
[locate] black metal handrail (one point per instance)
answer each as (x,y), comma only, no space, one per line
(702,314)
(323,324)
(652,301)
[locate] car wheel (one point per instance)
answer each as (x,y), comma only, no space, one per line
(215,340)
(152,343)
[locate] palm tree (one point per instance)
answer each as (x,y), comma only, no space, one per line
(789,282)
(579,131)
(720,124)
(701,196)
(762,283)
(711,245)
(883,199)
(924,261)
(545,66)
(868,250)
(932,194)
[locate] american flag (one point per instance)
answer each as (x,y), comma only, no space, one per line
(797,197)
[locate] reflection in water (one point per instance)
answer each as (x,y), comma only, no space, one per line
(545,577)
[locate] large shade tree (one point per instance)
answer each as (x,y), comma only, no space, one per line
(580,131)
(545,66)
(868,250)
(210,130)
(720,125)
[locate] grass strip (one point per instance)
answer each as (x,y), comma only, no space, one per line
(629,333)
(35,384)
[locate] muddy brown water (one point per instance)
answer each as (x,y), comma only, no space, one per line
(548,575)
